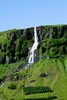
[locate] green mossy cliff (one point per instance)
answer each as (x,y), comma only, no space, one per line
(46,79)
(14,44)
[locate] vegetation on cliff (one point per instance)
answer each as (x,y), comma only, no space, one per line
(52,52)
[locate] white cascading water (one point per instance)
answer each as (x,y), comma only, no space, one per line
(1,85)
(34,47)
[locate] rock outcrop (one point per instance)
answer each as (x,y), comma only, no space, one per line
(52,32)
(18,41)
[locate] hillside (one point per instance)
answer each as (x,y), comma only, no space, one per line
(46,79)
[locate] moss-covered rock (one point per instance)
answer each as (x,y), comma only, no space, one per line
(52,41)
(53,47)
(49,32)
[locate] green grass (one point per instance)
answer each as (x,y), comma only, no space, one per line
(56,80)
(55,69)
(53,47)
(7,69)
(3,37)
(59,25)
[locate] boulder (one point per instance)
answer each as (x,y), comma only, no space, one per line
(17,77)
(32,80)
(43,75)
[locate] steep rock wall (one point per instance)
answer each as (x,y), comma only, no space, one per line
(18,41)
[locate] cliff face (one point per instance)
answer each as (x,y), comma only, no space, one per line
(52,32)
(53,41)
(16,45)
(25,34)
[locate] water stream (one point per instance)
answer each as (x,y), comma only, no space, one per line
(34,47)
(1,85)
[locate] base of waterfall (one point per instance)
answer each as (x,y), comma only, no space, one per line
(1,85)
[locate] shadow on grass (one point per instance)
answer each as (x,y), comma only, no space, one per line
(48,98)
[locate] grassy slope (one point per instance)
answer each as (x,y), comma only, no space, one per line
(56,80)
(2,37)
(6,69)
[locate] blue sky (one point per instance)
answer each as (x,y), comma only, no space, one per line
(27,13)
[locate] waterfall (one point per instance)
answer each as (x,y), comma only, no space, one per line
(1,85)
(33,49)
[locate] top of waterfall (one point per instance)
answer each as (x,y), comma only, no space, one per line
(35,35)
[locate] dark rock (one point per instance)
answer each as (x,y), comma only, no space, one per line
(20,67)
(17,69)
(17,77)
(49,32)
(11,35)
(21,86)
(28,33)
(1,80)
(14,77)
(24,33)
(26,66)
(44,57)
(32,80)
(43,75)
(21,40)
